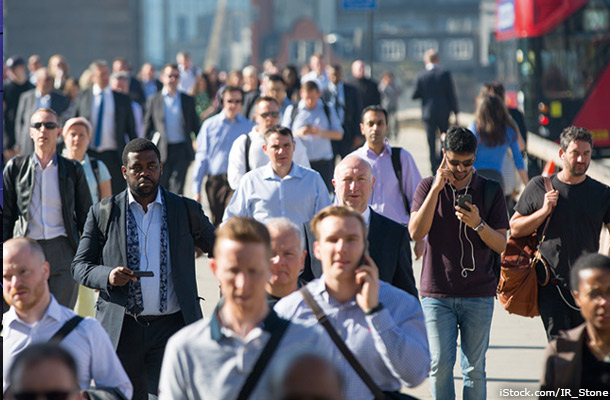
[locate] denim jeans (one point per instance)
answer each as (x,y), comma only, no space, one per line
(444,317)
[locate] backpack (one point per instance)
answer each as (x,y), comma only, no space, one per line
(248,144)
(489,192)
(398,171)
(295,111)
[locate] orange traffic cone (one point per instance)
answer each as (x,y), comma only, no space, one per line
(549,168)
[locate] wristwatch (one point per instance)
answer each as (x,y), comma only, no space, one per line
(480,227)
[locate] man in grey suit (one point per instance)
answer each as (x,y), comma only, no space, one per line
(112,119)
(388,241)
(138,250)
(172,114)
(42,96)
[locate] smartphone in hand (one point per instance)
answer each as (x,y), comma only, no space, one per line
(143,274)
(463,199)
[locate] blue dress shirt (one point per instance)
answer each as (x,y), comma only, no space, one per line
(214,142)
(263,195)
(318,148)
(391,344)
(172,107)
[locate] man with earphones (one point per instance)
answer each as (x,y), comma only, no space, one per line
(457,282)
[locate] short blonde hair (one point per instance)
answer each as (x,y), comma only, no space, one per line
(243,230)
(336,211)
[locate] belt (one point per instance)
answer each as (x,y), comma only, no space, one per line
(149,318)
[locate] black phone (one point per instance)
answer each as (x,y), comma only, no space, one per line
(362,259)
(143,274)
(463,199)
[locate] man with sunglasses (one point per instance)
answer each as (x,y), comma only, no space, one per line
(458,283)
(46,198)
(266,115)
(214,143)
(43,95)
(169,121)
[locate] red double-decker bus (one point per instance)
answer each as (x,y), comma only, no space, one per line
(554,58)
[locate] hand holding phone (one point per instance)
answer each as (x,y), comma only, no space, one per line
(367,279)
(463,199)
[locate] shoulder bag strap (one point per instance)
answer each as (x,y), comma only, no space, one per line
(548,186)
(247,154)
(263,360)
(347,353)
(397,165)
(65,330)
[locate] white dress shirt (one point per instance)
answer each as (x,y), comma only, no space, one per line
(257,157)
(108,141)
(263,195)
(45,220)
(88,343)
(149,237)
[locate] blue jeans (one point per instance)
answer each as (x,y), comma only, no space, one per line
(444,317)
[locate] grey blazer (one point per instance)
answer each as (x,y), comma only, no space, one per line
(95,259)
(154,120)
(27,105)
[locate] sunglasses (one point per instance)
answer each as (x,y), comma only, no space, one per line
(274,114)
(233,101)
(466,163)
(53,395)
(48,125)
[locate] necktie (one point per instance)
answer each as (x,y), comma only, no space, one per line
(100,117)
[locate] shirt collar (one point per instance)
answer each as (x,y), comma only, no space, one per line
(431,66)
(302,106)
(39,94)
(238,117)
(37,160)
(271,323)
(165,92)
(131,200)
(53,311)
(97,90)
(366,216)
(318,287)
(295,172)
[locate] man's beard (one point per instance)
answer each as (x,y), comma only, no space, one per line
(144,192)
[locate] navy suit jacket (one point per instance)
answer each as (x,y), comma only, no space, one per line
(388,246)
(94,260)
(124,123)
(435,88)
(28,103)
(154,120)
(351,121)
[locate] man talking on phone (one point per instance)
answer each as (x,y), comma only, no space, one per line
(458,283)
(383,326)
(138,250)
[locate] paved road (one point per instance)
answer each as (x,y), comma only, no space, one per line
(514,359)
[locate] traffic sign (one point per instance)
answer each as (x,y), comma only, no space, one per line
(362,5)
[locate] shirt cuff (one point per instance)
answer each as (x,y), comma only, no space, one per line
(381,320)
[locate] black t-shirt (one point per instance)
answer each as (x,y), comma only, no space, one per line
(595,373)
(576,223)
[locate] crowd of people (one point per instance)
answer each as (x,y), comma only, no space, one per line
(315,219)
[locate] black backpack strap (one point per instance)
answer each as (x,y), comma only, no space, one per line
(95,166)
(398,171)
(103,219)
(347,353)
(65,330)
(263,360)
(326,112)
(248,144)
(489,193)
(293,114)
